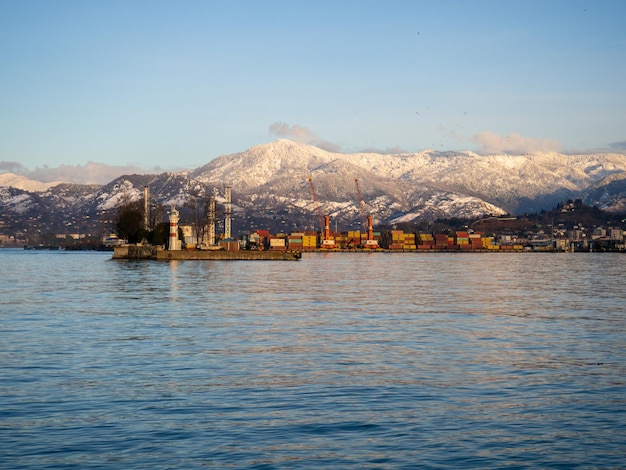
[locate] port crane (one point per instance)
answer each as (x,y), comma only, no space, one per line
(366,220)
(326,240)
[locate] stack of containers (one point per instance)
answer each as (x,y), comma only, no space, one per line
(409,241)
(487,242)
(309,242)
(462,240)
(295,242)
(426,241)
(340,240)
(264,236)
(397,240)
(277,244)
(491,246)
(355,236)
(476,241)
(441,241)
(452,243)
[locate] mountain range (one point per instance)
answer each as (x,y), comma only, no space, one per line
(284,184)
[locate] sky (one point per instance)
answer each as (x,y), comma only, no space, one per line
(92,89)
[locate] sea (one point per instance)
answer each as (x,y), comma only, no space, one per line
(339,360)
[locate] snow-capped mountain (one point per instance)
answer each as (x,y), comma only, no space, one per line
(276,182)
(23,183)
(406,186)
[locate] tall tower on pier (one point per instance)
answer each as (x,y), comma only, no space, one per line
(146,208)
(174,242)
(228,212)
(212,221)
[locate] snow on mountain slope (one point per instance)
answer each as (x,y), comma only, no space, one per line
(23,183)
(508,182)
(608,193)
(271,181)
(262,163)
(15,201)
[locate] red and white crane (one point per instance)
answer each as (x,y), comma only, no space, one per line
(326,240)
(366,220)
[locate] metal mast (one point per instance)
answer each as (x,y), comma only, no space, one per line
(146,208)
(361,204)
(228,212)
(212,221)
(366,219)
(320,219)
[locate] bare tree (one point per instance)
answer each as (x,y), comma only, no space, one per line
(198,203)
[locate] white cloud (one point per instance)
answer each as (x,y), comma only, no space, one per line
(618,145)
(90,173)
(302,135)
(387,151)
(512,143)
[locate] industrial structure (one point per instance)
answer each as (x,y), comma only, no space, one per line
(228,211)
(146,208)
(211,228)
(367,221)
(355,240)
(326,241)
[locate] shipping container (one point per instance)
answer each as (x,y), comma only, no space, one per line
(229,245)
(277,242)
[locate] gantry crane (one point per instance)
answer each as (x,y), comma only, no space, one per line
(366,220)
(326,240)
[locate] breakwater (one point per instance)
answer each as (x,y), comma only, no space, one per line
(149,252)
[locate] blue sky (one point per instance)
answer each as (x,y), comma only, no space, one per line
(173,84)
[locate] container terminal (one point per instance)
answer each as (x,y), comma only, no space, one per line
(184,241)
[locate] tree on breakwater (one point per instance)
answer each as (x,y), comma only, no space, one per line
(129,222)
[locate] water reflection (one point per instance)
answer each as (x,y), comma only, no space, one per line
(339,360)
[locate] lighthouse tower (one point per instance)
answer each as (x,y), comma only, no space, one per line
(174,242)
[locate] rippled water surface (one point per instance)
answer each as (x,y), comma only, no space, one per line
(335,361)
